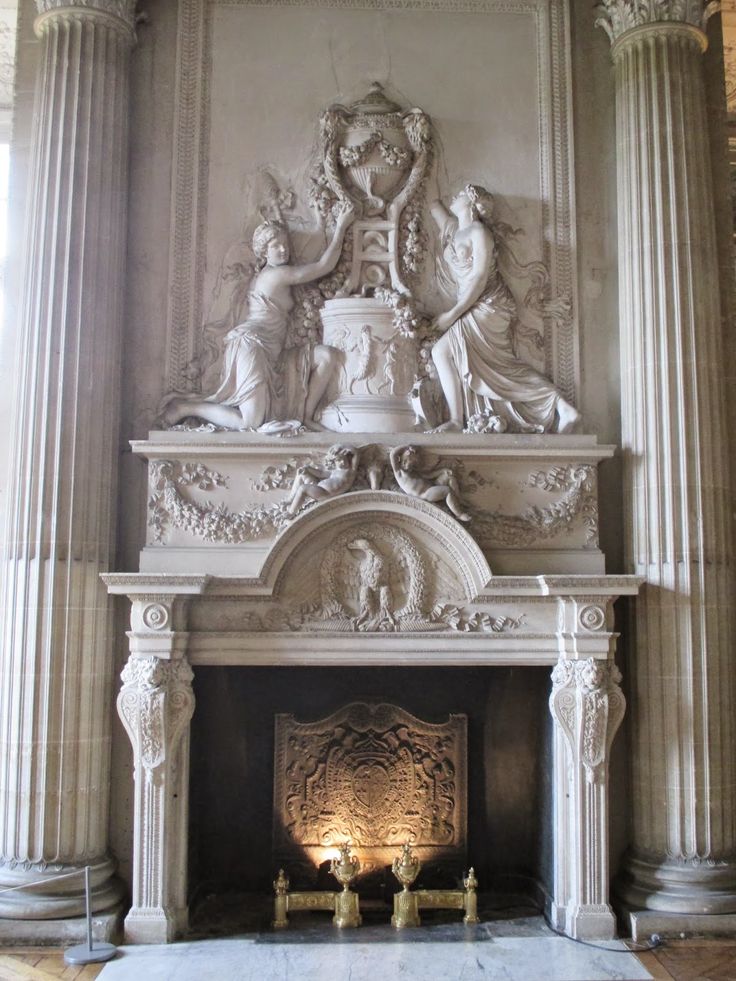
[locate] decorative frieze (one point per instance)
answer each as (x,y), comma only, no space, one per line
(444,480)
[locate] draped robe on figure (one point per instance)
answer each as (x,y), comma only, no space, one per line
(256,362)
(481,342)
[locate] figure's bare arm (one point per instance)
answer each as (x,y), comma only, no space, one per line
(440,213)
(394,456)
(297,275)
(482,243)
(317,473)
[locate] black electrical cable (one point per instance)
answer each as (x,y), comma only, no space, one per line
(654,941)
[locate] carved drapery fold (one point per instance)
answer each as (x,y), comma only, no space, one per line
(587,706)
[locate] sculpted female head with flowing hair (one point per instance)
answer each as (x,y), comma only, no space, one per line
(265,235)
(482,203)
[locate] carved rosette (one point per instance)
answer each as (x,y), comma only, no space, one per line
(156,705)
(588,705)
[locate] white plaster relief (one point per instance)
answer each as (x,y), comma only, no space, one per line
(190,174)
(433,478)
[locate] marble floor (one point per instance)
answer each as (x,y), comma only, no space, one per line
(523,949)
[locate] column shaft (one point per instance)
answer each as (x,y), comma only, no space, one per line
(674,441)
(57,652)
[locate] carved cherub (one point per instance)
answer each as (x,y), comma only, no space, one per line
(434,484)
(335,476)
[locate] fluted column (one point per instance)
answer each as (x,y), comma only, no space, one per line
(56,662)
(675,444)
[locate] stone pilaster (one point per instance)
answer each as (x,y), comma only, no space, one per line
(155,704)
(587,707)
(674,436)
(56,664)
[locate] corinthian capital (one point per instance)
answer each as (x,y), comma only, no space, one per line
(124,10)
(616,17)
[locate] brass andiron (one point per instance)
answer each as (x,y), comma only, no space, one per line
(406,868)
(344,904)
(345,868)
(407,904)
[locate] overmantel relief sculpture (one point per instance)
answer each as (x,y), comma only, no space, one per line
(354,341)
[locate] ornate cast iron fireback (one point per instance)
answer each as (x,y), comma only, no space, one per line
(374,775)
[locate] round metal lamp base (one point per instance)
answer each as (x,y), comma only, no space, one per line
(83,954)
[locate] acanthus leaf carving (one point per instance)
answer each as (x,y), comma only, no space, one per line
(616,17)
(588,704)
(122,9)
(155,704)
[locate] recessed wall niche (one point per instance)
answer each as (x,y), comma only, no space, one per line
(232,762)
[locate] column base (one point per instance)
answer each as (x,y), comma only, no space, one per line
(155,925)
(107,927)
(669,887)
(50,898)
(642,923)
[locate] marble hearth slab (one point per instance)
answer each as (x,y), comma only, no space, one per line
(511,958)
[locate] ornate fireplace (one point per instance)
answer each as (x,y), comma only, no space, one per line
(453,523)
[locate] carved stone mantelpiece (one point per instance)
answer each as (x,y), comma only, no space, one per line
(563,622)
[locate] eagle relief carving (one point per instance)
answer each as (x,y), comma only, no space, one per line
(374,578)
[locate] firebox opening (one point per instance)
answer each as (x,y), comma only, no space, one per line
(232,770)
